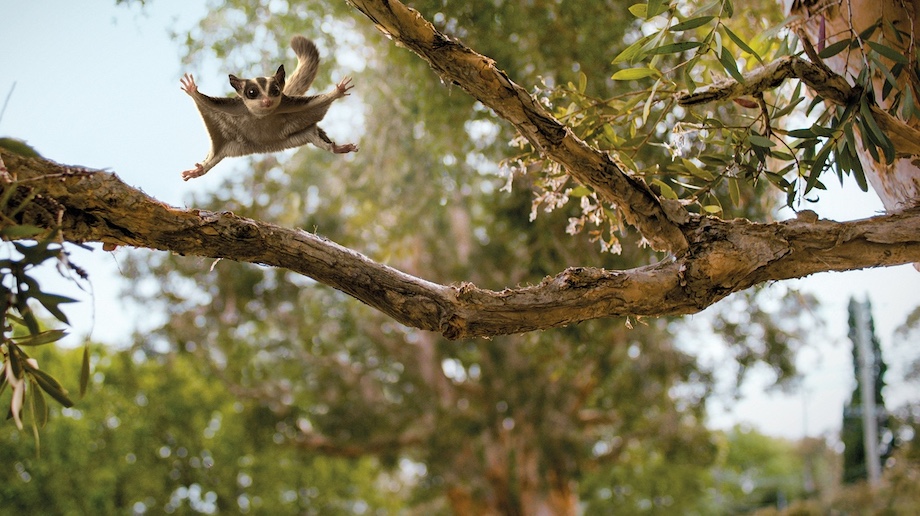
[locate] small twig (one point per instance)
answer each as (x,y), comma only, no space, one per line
(7,101)
(768,131)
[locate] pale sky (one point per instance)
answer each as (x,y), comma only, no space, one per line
(97,85)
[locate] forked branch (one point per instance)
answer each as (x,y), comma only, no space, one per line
(723,257)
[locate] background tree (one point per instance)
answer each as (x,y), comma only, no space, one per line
(854,455)
(155,435)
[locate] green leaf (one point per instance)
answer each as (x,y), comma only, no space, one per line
(579,191)
(656,7)
(638,10)
(651,100)
(50,385)
(44,337)
(84,371)
(835,48)
(15,361)
(728,8)
(822,131)
(21,231)
(728,62)
(696,171)
(630,74)
(761,141)
(633,52)
(868,31)
(908,107)
(789,107)
(785,156)
(888,52)
(860,175)
(712,208)
(38,405)
(868,121)
(740,42)
(818,166)
(802,133)
(582,82)
(674,48)
(692,23)
(734,191)
(706,7)
(884,69)
(666,191)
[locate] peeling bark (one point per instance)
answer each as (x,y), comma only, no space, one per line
(722,257)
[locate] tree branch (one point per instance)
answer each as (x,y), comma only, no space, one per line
(819,78)
(723,257)
(478,76)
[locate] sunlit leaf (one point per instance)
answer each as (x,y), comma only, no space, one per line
(633,52)
(630,74)
(734,191)
(740,42)
(692,23)
(674,48)
(579,191)
(712,208)
(638,10)
(666,191)
(697,171)
(656,7)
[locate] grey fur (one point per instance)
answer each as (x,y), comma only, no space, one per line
(307,66)
(239,126)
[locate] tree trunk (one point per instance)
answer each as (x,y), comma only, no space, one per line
(827,21)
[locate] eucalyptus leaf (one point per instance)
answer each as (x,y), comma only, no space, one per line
(692,23)
(50,385)
(44,337)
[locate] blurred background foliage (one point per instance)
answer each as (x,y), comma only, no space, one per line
(256,390)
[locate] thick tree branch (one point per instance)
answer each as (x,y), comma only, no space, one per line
(478,75)
(723,257)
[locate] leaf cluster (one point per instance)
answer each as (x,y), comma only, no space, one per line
(22,329)
(722,159)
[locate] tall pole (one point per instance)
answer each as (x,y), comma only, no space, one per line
(867,392)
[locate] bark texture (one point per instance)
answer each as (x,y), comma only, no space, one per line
(722,257)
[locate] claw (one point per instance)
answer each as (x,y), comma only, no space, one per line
(188,84)
(198,171)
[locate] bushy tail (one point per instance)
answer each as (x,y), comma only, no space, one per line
(307,65)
